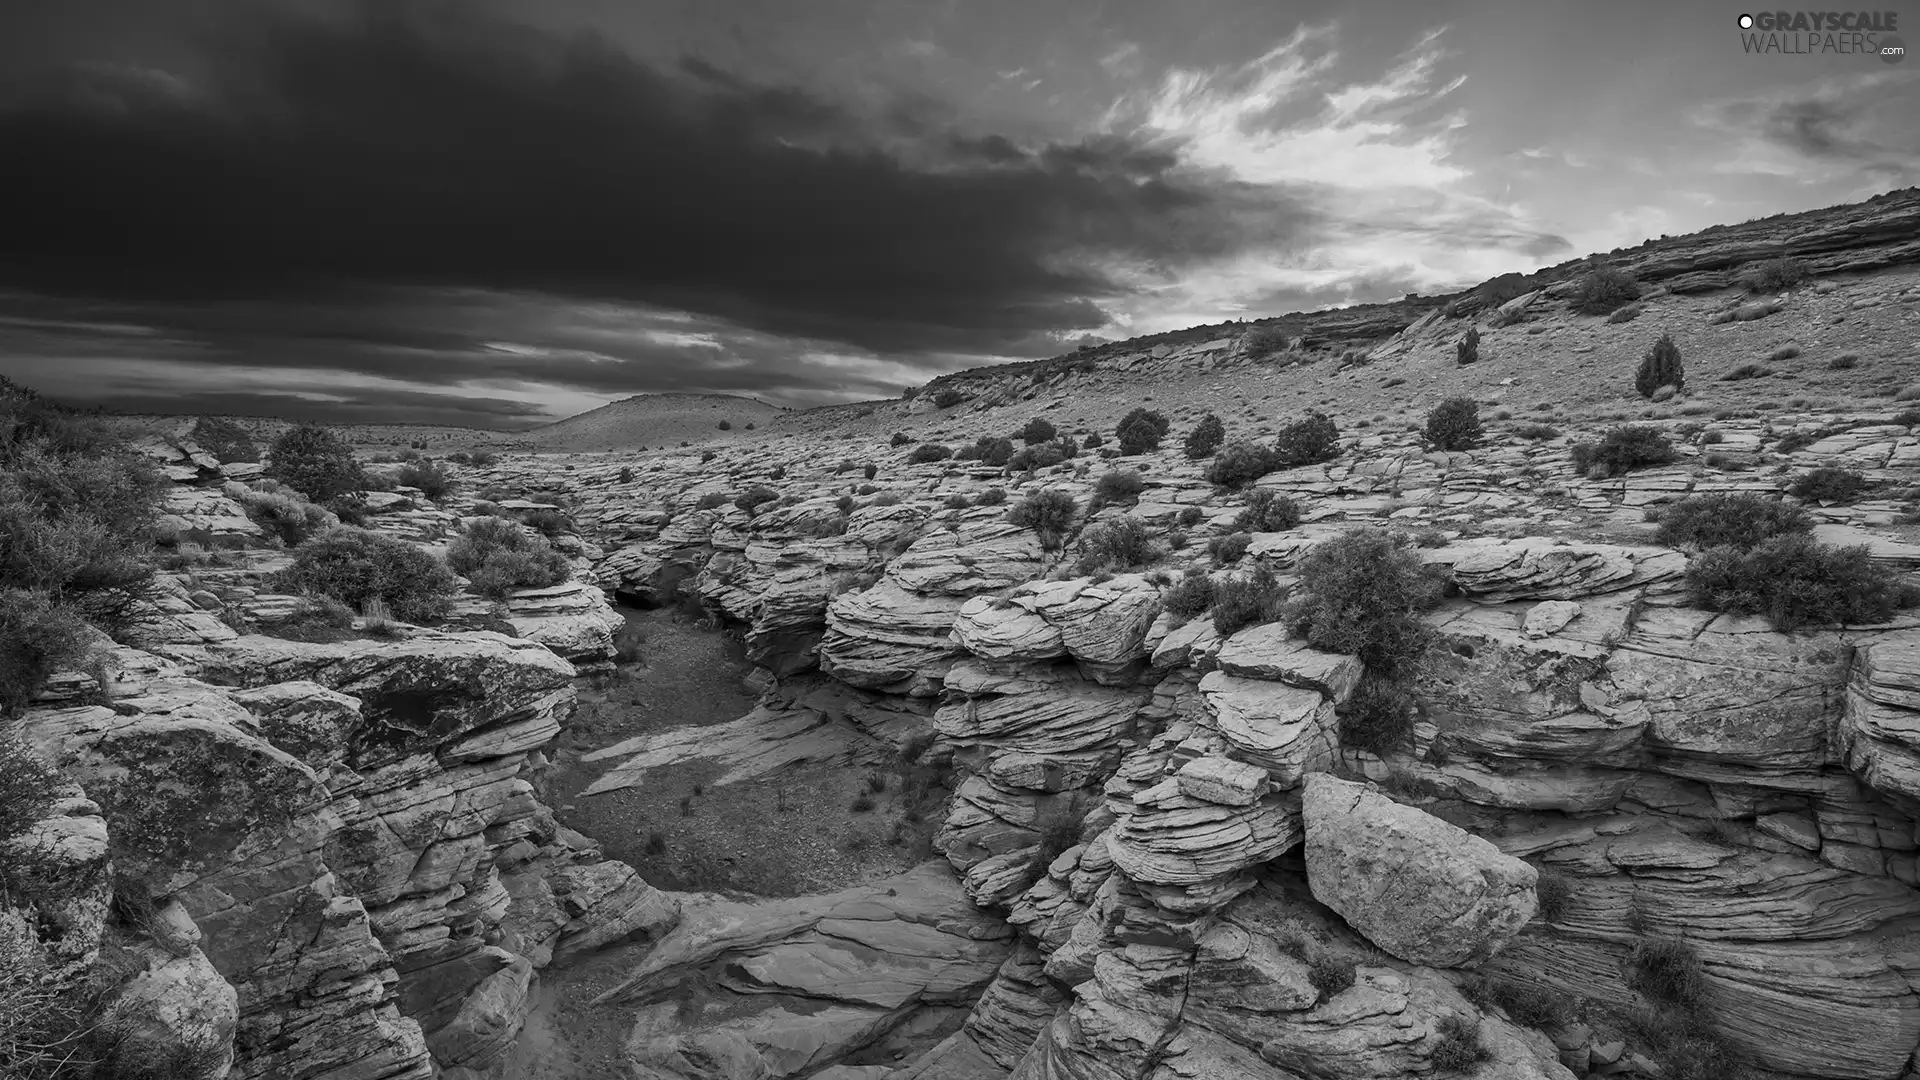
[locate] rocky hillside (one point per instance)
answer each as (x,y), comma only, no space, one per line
(649,420)
(1371,759)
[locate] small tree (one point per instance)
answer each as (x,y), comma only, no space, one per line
(1140,431)
(1206,437)
(316,462)
(1454,424)
(1660,367)
(1467,349)
(1307,442)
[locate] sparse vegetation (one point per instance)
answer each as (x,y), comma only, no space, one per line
(1622,450)
(1605,289)
(927,453)
(498,556)
(1308,441)
(1728,520)
(947,397)
(1140,431)
(1240,464)
(1229,549)
(1205,438)
(1537,432)
(1119,486)
(1829,485)
(429,478)
(1660,367)
(1772,275)
(1361,593)
(1454,424)
(1247,600)
(1795,581)
(1038,430)
(224,439)
(755,498)
(1189,596)
(1524,1003)
(1331,974)
(1049,513)
(1458,1047)
(1378,717)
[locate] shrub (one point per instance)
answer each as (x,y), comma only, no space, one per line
(870,470)
(27,788)
(432,482)
(1117,544)
(1093,441)
(1537,432)
(552,523)
(1534,1006)
(1554,891)
(994,451)
(1626,314)
(755,497)
(498,556)
(354,566)
(1262,341)
(1229,549)
(1467,349)
(481,459)
(1267,511)
(1661,366)
(626,475)
(1773,275)
(1794,581)
(900,438)
(926,453)
(958,501)
(1038,430)
(1140,431)
(224,439)
(724,425)
(1241,602)
(1120,485)
(1049,513)
(1330,974)
(1043,456)
(1458,1047)
(1454,424)
(1604,289)
(39,635)
(1721,520)
(1622,450)
(1241,464)
(1191,516)
(282,513)
(707,455)
(947,397)
(1378,717)
(1844,362)
(1361,593)
(1189,596)
(1745,371)
(315,462)
(1829,485)
(993,496)
(1309,441)
(1205,437)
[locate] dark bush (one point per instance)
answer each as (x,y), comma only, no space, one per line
(927,453)
(428,477)
(993,496)
(1189,596)
(1749,370)
(1330,974)
(1267,511)
(480,459)
(1378,717)
(1667,970)
(900,438)
(947,397)
(1828,485)
(1043,456)
(38,636)
(1661,366)
(1140,431)
(626,475)
(1604,289)
(281,511)
(1263,340)
(988,449)
(1119,486)
(1229,549)
(1537,432)
(1721,520)
(1454,424)
(551,523)
(1049,513)
(1241,464)
(958,501)
(870,470)
(499,556)
(1093,441)
(1038,430)
(354,566)
(1309,441)
(1467,349)
(1773,275)
(724,425)
(1795,581)
(1622,450)
(1205,437)
(315,462)
(224,439)
(1240,602)
(1524,1003)
(1458,1047)
(707,455)
(1554,891)
(1192,515)
(1117,544)
(1362,593)
(27,789)
(755,497)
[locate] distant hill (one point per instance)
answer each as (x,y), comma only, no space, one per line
(648,420)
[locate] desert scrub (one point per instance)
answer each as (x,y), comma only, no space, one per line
(499,556)
(1772,275)
(1205,438)
(1467,349)
(1247,600)
(1454,424)
(1267,511)
(927,453)
(1038,430)
(1229,549)
(1378,717)
(1604,289)
(1795,581)
(431,480)
(1829,485)
(755,498)
(1049,513)
(280,510)
(1524,1003)
(1331,974)
(1620,451)
(1140,431)
(1307,441)
(1457,1046)
(1660,368)
(1115,545)
(1189,596)
(1240,464)
(354,566)
(224,439)
(1362,593)
(1118,486)
(1537,432)
(1667,970)
(316,462)
(1721,520)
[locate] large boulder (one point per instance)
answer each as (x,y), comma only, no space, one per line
(1424,890)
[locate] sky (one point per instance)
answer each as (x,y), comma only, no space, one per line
(497,213)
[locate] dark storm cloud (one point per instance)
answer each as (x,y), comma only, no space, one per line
(347,407)
(402,144)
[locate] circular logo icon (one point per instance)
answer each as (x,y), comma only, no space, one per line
(1746,22)
(1892,49)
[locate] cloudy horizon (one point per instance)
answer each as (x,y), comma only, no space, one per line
(500,212)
